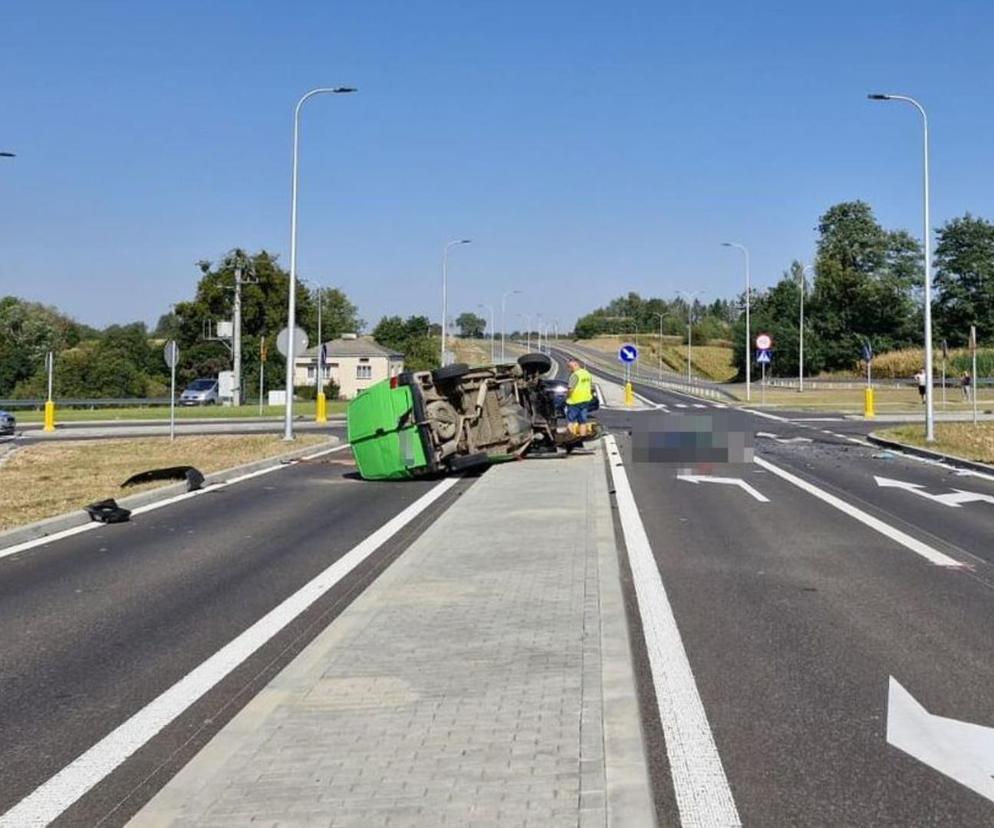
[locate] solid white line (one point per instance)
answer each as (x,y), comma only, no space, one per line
(51,799)
(702,792)
(159,504)
(885,529)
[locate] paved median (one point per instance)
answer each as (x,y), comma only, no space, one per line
(484,677)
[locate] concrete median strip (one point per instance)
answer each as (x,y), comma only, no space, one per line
(72,523)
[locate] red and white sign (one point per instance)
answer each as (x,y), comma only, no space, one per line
(764,342)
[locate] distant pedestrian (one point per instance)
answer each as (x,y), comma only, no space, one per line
(965,382)
(920,380)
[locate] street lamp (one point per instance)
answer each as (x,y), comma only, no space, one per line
(291,316)
(445,287)
(527,320)
(690,321)
(503,320)
(493,342)
(929,410)
(660,315)
(748,338)
(800,357)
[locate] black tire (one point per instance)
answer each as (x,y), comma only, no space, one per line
(448,373)
(535,363)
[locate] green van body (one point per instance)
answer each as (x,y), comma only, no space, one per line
(382,430)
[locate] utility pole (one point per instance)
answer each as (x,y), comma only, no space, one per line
(236,392)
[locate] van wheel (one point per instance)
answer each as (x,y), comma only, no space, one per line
(449,373)
(535,363)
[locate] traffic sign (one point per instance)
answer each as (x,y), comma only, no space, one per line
(764,357)
(867,351)
(764,342)
(171,353)
(299,341)
(628,354)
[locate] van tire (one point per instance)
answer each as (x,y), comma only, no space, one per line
(535,363)
(448,373)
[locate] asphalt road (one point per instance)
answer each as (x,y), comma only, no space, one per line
(98,625)
(795,615)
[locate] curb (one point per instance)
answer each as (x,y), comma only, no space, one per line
(938,456)
(70,520)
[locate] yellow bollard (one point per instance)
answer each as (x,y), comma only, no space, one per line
(629,394)
(321,410)
(49,416)
(868,404)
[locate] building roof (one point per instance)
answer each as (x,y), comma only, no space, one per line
(360,347)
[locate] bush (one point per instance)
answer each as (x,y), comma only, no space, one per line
(309,392)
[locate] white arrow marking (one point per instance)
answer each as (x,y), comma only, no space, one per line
(960,750)
(769,436)
(952,499)
(730,481)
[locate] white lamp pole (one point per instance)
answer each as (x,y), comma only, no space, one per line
(291,316)
(690,322)
(493,333)
(748,336)
(445,288)
(926,243)
(800,356)
(503,319)
(660,315)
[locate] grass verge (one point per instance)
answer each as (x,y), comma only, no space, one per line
(44,480)
(193,412)
(850,400)
(966,440)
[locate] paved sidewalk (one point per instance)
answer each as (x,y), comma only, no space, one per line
(483,679)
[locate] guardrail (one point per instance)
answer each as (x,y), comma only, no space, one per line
(96,402)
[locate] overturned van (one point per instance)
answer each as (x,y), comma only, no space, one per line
(457,418)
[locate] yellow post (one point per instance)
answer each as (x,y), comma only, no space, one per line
(868,404)
(49,416)
(321,410)
(629,394)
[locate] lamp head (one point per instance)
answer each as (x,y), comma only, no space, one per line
(344,90)
(7,155)
(876,96)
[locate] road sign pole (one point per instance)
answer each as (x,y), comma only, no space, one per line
(172,403)
(973,379)
(50,403)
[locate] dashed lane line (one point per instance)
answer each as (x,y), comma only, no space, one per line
(51,799)
(702,791)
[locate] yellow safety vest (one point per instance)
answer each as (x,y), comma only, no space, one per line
(583,390)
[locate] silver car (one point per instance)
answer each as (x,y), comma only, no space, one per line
(7,423)
(200,392)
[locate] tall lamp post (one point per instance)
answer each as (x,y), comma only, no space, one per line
(926,243)
(445,288)
(291,316)
(527,320)
(660,315)
(691,298)
(748,337)
(800,326)
(493,341)
(503,319)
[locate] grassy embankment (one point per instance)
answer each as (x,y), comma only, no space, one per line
(711,362)
(972,442)
(43,480)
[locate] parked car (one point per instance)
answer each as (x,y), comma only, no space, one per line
(7,422)
(456,418)
(200,392)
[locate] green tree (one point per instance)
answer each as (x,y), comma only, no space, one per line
(471,325)
(964,279)
(411,337)
(864,286)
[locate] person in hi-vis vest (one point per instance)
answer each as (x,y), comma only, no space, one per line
(581,392)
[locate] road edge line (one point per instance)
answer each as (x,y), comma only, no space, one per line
(932,555)
(53,797)
(699,781)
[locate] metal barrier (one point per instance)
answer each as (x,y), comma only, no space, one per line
(96,402)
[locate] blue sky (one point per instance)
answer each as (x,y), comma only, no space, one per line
(588,149)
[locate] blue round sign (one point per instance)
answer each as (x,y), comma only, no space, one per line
(628,353)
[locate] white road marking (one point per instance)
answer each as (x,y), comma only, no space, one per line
(702,792)
(960,750)
(681,405)
(48,801)
(953,499)
(885,529)
(729,481)
(699,405)
(770,436)
(159,504)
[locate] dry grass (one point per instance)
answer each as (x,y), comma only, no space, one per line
(711,361)
(471,351)
(43,480)
(972,442)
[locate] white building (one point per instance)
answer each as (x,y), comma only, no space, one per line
(353,362)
